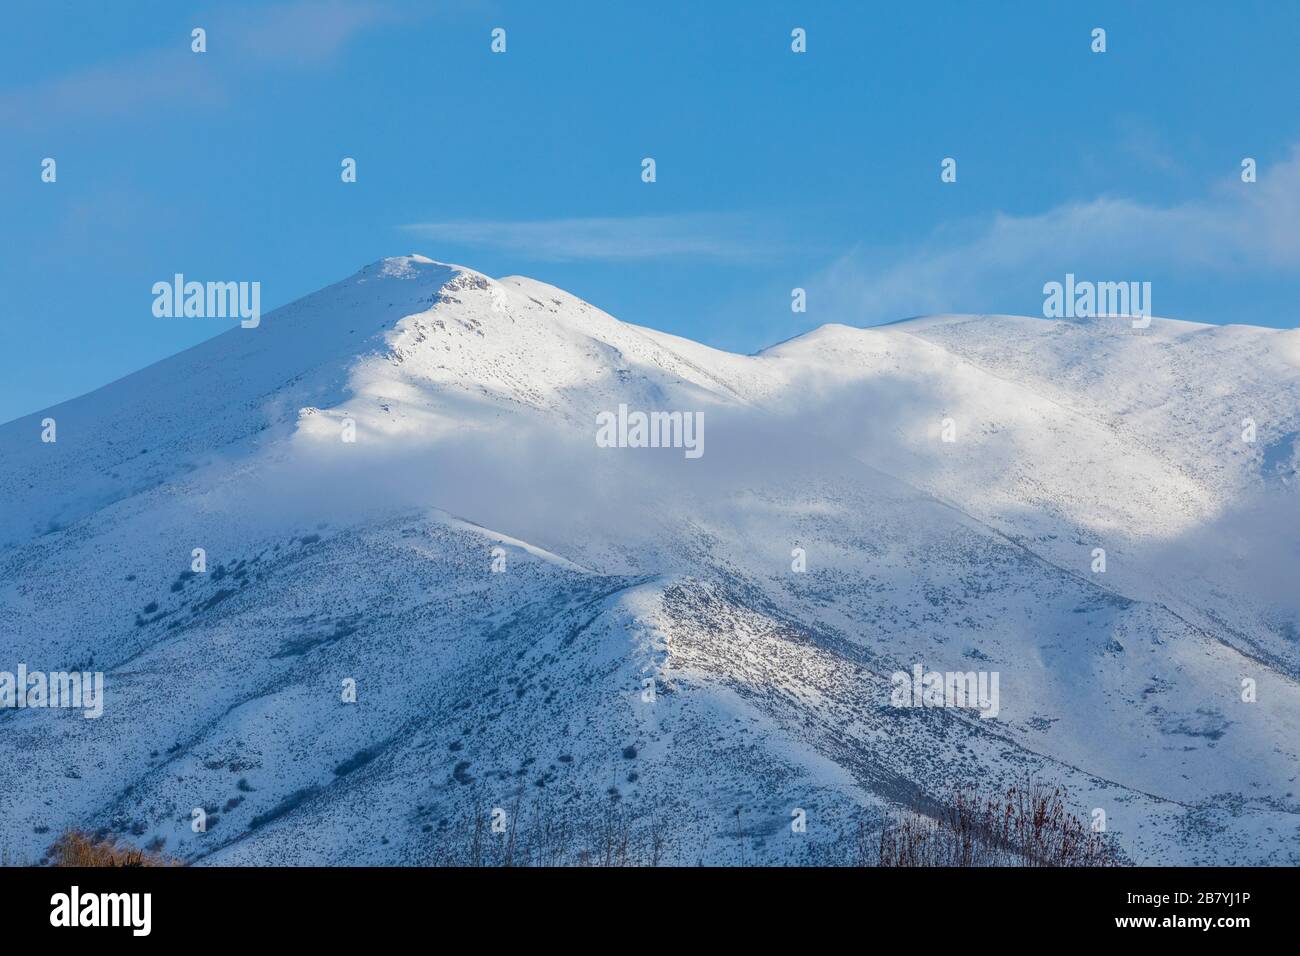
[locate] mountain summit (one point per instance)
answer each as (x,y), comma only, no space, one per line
(362,575)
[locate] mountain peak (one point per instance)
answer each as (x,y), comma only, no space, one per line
(411,266)
(399,477)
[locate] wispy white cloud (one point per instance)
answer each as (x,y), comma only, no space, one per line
(711,236)
(114,89)
(1238,228)
(310,31)
(291,35)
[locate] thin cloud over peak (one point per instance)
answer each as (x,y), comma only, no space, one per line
(1237,228)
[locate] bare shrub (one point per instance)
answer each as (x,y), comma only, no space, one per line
(1028,824)
(78,848)
(544,834)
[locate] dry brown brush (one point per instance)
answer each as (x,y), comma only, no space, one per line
(1028,824)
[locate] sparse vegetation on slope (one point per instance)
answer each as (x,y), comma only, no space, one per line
(1027,825)
(78,848)
(543,834)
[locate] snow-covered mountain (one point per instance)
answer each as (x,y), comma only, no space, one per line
(645,638)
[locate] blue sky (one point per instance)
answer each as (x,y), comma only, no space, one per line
(774,169)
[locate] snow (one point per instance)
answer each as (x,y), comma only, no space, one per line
(474,403)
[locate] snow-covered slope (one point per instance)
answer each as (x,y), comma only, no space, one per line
(622,571)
